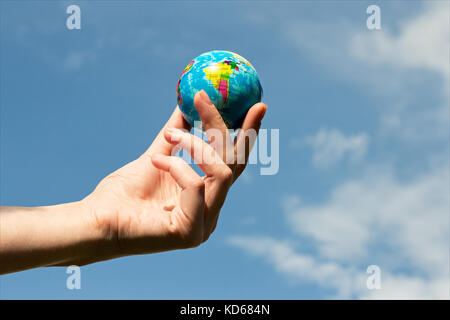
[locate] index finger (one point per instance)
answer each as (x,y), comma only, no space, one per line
(214,126)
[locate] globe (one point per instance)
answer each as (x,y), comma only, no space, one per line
(230,81)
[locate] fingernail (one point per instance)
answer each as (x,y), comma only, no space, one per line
(175,134)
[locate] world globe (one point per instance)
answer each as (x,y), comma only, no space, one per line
(230,81)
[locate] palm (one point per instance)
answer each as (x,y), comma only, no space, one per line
(145,202)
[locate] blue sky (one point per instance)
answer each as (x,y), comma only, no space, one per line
(364,146)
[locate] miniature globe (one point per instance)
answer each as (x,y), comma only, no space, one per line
(230,81)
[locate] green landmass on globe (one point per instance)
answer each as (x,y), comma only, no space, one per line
(230,81)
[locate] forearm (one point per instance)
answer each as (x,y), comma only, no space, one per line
(51,235)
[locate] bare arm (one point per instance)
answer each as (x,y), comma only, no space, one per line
(50,235)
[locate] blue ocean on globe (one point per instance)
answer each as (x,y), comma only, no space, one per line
(230,81)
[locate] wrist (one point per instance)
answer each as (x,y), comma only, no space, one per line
(102,228)
(86,242)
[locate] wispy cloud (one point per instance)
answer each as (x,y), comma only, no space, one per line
(330,146)
(297,266)
(73,50)
(76,60)
(422,42)
(400,224)
(397,69)
(345,280)
(401,227)
(411,218)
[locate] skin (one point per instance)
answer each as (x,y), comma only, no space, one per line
(154,203)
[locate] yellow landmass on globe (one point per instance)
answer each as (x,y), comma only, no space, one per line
(219,74)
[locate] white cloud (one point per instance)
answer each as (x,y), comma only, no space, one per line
(404,287)
(410,217)
(330,146)
(402,227)
(397,68)
(422,42)
(298,266)
(346,281)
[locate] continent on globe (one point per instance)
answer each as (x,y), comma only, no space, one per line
(230,81)
(219,74)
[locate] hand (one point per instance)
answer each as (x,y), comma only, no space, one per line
(155,203)
(158,202)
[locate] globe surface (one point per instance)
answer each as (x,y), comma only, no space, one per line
(230,81)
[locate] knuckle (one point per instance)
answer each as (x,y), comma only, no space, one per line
(198,183)
(176,161)
(226,174)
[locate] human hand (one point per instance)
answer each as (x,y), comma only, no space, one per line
(158,202)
